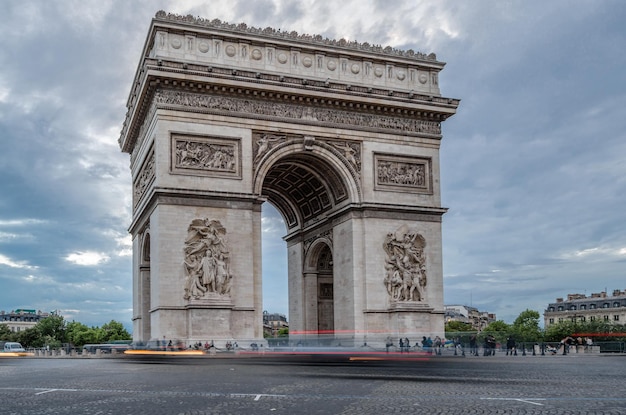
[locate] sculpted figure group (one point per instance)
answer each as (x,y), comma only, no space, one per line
(405,265)
(207,260)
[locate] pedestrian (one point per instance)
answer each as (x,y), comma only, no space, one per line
(388,343)
(510,346)
(473,345)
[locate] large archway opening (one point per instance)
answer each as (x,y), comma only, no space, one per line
(306,191)
(274,257)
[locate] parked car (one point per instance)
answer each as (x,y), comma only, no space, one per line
(11,347)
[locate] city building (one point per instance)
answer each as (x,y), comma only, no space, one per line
(22,319)
(470,315)
(273,322)
(582,308)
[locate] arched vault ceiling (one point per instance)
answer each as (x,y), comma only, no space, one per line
(304,185)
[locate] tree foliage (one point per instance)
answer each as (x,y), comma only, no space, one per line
(498,329)
(54,331)
(526,328)
(454,327)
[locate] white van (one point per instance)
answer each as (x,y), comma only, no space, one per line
(12,347)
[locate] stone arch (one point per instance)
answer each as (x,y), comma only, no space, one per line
(212,136)
(304,184)
(145,248)
(144,288)
(318,285)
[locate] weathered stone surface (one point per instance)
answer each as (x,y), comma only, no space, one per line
(342,138)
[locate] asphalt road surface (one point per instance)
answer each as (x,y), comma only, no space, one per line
(573,384)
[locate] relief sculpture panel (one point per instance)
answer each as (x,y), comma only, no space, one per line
(207,261)
(144,179)
(397,173)
(215,156)
(405,265)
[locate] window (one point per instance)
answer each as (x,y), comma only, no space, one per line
(560,308)
(592,306)
(551,309)
(582,318)
(551,321)
(605,305)
(592,318)
(573,307)
(616,304)
(616,318)
(583,307)
(560,319)
(606,318)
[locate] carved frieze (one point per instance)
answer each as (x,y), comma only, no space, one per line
(144,178)
(405,265)
(350,151)
(400,173)
(263,142)
(271,32)
(206,155)
(206,261)
(254,108)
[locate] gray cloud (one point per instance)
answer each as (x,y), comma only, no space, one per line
(532,165)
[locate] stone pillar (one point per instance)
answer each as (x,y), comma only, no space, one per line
(310,301)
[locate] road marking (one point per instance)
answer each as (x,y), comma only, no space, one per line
(48,391)
(525,400)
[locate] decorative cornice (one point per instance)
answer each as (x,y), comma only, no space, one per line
(294,36)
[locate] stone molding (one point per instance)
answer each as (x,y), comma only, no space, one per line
(242,28)
(251,108)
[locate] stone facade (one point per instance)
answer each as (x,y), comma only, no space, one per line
(582,308)
(342,138)
(20,319)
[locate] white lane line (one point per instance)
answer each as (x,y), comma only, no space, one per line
(48,391)
(56,390)
(525,400)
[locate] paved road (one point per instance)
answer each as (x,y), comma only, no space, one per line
(461,385)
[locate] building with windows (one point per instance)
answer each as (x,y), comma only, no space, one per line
(273,322)
(21,319)
(582,308)
(470,315)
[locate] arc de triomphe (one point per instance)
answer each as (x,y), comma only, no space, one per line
(341,137)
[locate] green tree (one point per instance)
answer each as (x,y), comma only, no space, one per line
(114,330)
(557,332)
(30,337)
(53,329)
(499,329)
(525,328)
(5,333)
(79,334)
(455,327)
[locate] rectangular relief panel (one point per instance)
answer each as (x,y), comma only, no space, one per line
(144,178)
(206,155)
(395,173)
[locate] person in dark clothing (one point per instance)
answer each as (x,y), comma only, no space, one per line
(510,346)
(473,345)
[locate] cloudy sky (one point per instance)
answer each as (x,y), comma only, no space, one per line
(533,164)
